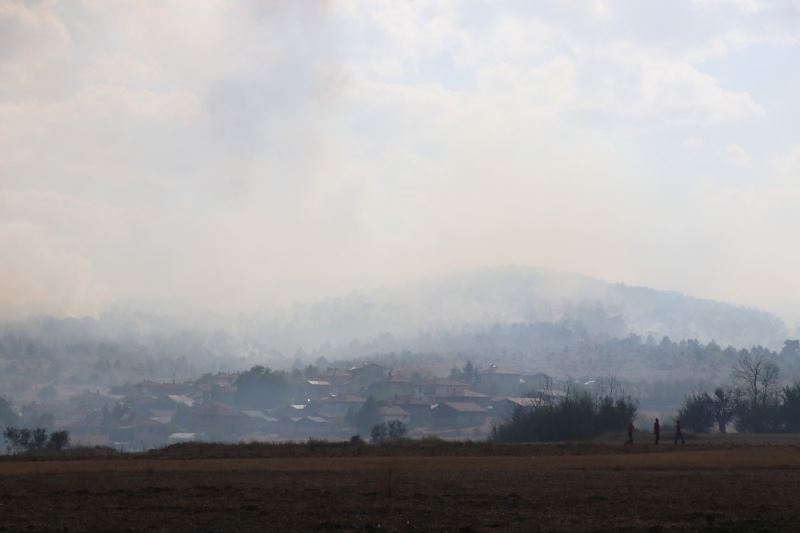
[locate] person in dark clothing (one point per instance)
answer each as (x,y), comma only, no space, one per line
(657,431)
(630,434)
(678,433)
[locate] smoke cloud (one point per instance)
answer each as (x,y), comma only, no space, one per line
(230,157)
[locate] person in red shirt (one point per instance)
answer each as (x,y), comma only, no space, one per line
(657,431)
(678,433)
(630,434)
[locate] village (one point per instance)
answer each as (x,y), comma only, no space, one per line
(261,405)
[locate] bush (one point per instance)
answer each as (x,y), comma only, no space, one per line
(378,433)
(58,440)
(581,417)
(697,413)
(391,431)
(790,410)
(396,430)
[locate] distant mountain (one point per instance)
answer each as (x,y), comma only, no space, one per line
(517,295)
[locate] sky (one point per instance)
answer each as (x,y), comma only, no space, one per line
(186,155)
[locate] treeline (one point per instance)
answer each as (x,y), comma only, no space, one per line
(755,402)
(26,440)
(565,349)
(577,417)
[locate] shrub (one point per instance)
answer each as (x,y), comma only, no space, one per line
(580,417)
(396,430)
(378,433)
(58,440)
(697,413)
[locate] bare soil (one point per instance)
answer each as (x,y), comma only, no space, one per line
(714,486)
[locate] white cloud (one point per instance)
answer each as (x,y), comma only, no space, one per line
(736,155)
(746,6)
(692,143)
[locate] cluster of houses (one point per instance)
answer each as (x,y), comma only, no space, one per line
(324,405)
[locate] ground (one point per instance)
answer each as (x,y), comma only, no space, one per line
(702,486)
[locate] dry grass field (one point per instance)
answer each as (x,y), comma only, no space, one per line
(714,486)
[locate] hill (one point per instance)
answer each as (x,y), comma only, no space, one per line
(475,300)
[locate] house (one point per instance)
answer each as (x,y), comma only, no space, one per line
(367,374)
(339,379)
(302,427)
(163,390)
(396,384)
(140,433)
(441,388)
(181,399)
(256,420)
(495,378)
(293,410)
(317,388)
(392,413)
(163,416)
(339,404)
(469,396)
(418,409)
(178,438)
(504,406)
(458,414)
(217,420)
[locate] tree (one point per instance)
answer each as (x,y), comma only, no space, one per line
(697,412)
(58,440)
(17,439)
(791,350)
(378,433)
(396,429)
(261,387)
(20,440)
(468,373)
(768,382)
(723,406)
(757,377)
(7,415)
(366,417)
(38,439)
(790,409)
(11,436)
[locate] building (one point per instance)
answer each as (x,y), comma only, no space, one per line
(219,421)
(339,404)
(499,379)
(504,406)
(458,414)
(441,388)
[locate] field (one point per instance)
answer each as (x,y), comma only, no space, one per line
(718,485)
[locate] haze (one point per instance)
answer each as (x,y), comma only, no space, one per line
(236,156)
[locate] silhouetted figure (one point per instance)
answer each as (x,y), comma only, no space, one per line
(657,431)
(679,433)
(630,434)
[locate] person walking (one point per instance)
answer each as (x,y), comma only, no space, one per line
(657,431)
(678,433)
(630,434)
